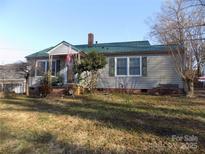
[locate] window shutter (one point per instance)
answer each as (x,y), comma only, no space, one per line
(57,66)
(112,66)
(144,66)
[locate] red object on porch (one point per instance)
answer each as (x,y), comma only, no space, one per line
(68,58)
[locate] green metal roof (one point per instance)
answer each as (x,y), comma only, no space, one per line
(115,47)
(42,53)
(123,47)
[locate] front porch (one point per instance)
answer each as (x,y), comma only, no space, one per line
(58,64)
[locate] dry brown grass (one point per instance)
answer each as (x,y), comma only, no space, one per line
(114,123)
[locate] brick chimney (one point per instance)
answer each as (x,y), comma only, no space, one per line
(90,40)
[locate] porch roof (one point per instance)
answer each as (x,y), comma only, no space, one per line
(45,53)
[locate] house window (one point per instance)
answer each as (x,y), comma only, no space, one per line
(121,66)
(53,68)
(134,66)
(128,66)
(41,68)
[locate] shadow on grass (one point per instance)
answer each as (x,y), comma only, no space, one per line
(39,142)
(119,116)
(163,108)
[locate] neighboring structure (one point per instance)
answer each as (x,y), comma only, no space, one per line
(11,80)
(131,65)
(202,77)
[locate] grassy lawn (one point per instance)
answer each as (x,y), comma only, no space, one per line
(98,123)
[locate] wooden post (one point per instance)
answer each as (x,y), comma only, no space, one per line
(68,78)
(50,70)
(70,73)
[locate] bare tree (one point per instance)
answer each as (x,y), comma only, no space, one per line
(181,28)
(194,3)
(25,69)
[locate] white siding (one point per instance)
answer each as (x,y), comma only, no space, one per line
(160,70)
(62,49)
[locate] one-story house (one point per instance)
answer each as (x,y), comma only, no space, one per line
(130,65)
(11,80)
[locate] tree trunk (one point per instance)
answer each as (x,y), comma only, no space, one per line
(189,88)
(27,86)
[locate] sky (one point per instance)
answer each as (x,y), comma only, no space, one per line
(27,26)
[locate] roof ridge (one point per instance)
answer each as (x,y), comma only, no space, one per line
(163,45)
(127,42)
(116,42)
